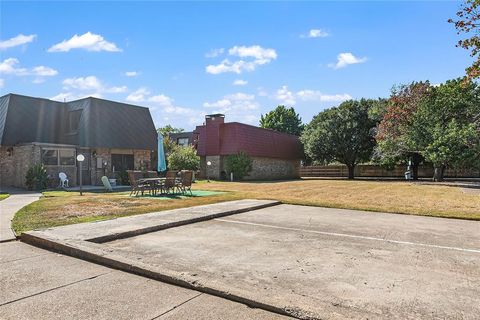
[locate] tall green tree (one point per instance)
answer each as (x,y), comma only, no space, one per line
(165,131)
(342,134)
(394,144)
(445,128)
(282,119)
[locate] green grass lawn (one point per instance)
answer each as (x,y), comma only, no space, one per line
(4,196)
(57,208)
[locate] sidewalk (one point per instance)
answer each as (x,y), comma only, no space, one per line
(39,284)
(8,207)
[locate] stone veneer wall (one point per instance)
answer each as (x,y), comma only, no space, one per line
(262,168)
(274,169)
(14,167)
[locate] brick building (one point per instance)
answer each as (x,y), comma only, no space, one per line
(112,136)
(275,155)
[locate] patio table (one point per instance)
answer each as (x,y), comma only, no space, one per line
(154,183)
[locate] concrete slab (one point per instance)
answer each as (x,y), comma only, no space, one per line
(25,277)
(206,307)
(9,207)
(14,250)
(35,292)
(325,263)
(301,261)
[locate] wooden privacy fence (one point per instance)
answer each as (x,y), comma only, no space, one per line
(368,170)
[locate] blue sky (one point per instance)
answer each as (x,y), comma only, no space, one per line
(187,59)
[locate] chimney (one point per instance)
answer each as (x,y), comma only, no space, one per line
(213,124)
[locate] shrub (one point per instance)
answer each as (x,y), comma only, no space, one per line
(240,164)
(123,178)
(183,158)
(36,178)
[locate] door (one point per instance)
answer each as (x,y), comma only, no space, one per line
(122,162)
(86,179)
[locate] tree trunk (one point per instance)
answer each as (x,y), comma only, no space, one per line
(438,173)
(415,171)
(416,159)
(351,171)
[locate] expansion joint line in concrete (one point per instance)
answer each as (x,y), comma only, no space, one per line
(52,289)
(177,306)
(346,235)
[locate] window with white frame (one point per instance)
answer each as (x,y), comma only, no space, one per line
(58,157)
(182,141)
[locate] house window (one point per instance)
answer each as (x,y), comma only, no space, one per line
(74,120)
(50,157)
(56,157)
(122,162)
(182,141)
(66,157)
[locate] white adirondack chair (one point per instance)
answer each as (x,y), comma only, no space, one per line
(63,180)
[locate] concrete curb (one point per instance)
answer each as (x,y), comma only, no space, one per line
(137,232)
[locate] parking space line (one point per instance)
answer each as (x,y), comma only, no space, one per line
(345,235)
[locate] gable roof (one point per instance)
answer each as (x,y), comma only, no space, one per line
(258,142)
(102,123)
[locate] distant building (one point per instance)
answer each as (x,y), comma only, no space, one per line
(182,138)
(275,155)
(112,136)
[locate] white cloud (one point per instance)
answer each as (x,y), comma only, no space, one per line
(161,105)
(314,95)
(10,66)
(138,95)
(250,58)
(214,53)
(240,82)
(2,83)
(81,87)
(256,52)
(285,96)
(83,83)
(88,41)
(132,73)
(237,107)
(315,33)
(346,58)
(44,71)
(17,41)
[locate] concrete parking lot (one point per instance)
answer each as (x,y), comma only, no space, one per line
(39,284)
(326,263)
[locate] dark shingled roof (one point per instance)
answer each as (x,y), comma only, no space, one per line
(102,123)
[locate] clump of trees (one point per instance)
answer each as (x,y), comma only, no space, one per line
(439,125)
(342,134)
(282,119)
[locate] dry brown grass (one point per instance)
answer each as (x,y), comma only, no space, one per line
(60,208)
(385,196)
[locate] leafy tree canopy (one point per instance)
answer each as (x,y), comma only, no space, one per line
(343,134)
(282,119)
(183,158)
(166,130)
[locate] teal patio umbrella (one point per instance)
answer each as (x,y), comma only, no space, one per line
(161,164)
